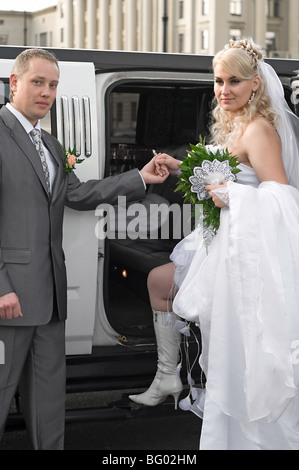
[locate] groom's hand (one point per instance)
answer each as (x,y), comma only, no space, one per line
(10,307)
(166,161)
(152,174)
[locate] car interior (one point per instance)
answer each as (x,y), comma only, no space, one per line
(145,120)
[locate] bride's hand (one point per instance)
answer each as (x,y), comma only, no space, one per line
(164,160)
(217,201)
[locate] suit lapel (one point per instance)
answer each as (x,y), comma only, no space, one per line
(22,139)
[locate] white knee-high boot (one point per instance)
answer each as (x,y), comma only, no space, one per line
(167,380)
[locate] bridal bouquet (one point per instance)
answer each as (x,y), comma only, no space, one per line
(206,164)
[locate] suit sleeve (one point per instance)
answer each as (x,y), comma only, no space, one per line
(87,196)
(6,286)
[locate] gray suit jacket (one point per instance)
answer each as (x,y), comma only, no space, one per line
(31,255)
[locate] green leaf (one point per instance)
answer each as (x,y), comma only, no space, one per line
(196,156)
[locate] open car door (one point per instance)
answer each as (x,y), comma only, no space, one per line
(77,129)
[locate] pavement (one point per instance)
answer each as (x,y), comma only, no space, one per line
(91,425)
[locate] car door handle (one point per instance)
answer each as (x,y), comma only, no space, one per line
(77,125)
(87,126)
(65,122)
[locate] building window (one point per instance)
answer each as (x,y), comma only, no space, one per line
(181,9)
(119,112)
(205,7)
(181,43)
(43,39)
(134,111)
(271,43)
(62,10)
(235,34)
(273,8)
(235,7)
(205,40)
(3,39)
(276,12)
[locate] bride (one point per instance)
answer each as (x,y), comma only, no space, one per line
(243,293)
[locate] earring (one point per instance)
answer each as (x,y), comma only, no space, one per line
(251,98)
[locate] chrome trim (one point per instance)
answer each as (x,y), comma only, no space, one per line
(87,126)
(77,125)
(65,122)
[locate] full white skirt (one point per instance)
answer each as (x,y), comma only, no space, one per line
(244,296)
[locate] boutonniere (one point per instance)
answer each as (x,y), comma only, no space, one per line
(70,160)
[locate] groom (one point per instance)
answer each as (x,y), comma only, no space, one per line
(34,189)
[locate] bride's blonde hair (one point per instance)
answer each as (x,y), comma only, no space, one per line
(240,59)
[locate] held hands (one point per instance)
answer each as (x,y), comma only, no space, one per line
(159,168)
(163,165)
(10,307)
(153,174)
(166,161)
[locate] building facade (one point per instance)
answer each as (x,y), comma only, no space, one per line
(176,26)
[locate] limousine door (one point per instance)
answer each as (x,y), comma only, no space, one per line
(77,115)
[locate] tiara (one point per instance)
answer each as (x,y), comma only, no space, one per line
(247,47)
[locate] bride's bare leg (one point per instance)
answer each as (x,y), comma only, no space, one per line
(160,281)
(167,381)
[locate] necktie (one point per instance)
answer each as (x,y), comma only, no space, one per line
(36,136)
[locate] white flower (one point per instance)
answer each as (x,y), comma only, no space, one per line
(215,177)
(214,148)
(210,173)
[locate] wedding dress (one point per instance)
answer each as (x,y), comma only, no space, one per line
(242,292)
